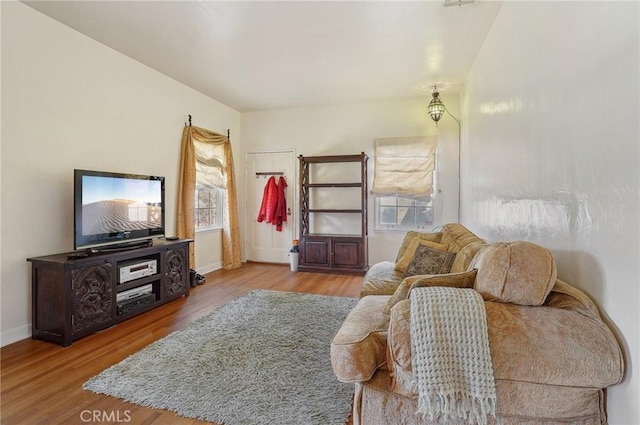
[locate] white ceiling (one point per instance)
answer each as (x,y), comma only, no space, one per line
(265,55)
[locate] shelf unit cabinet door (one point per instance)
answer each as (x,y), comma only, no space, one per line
(176,274)
(316,252)
(347,253)
(93,298)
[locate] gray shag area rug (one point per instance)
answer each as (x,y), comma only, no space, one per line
(263,358)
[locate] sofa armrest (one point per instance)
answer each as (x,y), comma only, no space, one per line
(568,297)
(360,345)
(399,350)
(381,279)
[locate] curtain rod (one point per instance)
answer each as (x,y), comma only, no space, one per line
(228,130)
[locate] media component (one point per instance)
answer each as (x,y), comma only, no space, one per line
(137,269)
(135,298)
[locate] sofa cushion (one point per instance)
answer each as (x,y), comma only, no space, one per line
(381,279)
(412,249)
(360,345)
(463,242)
(456,236)
(411,235)
(515,272)
(453,280)
(552,346)
(464,257)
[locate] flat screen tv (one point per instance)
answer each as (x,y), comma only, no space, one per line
(116,209)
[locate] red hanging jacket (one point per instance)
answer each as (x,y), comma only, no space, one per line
(280,215)
(269,201)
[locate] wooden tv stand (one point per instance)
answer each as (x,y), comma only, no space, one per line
(74,295)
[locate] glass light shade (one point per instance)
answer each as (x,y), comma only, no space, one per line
(436,107)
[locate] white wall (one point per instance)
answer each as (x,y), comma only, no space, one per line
(350,129)
(552,153)
(70,102)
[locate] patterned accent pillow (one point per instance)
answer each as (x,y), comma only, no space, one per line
(410,252)
(422,236)
(430,261)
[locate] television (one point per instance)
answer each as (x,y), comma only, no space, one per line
(117,210)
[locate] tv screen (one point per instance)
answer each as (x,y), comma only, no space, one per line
(116,208)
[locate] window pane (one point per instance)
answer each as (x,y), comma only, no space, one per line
(423,202)
(405,216)
(388,200)
(424,217)
(204,197)
(208,212)
(204,218)
(405,202)
(408,217)
(387,215)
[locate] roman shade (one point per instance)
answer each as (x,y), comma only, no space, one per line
(209,165)
(404,166)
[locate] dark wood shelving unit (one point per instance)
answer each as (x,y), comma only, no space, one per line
(333,252)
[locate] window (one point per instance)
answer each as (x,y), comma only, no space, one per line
(208,208)
(400,213)
(403,183)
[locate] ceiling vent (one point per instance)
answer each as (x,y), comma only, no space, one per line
(459,3)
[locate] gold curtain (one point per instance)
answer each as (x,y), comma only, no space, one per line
(186,192)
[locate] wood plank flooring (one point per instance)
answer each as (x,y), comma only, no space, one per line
(41,382)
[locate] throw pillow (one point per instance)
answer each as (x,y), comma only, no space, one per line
(515,272)
(453,280)
(430,261)
(411,235)
(410,252)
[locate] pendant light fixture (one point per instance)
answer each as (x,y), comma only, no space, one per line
(436,107)
(436,110)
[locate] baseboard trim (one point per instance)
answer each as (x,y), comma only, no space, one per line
(15,335)
(209,268)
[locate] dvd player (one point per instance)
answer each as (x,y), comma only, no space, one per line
(136,303)
(136,269)
(135,292)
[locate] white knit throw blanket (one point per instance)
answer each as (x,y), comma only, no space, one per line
(450,355)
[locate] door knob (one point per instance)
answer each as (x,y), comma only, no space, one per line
(288,211)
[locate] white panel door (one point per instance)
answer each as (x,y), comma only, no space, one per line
(264,242)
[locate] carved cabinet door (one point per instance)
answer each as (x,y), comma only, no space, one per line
(176,279)
(93,298)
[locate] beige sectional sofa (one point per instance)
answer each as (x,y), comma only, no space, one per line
(553,356)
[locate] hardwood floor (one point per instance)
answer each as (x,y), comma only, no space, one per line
(42,382)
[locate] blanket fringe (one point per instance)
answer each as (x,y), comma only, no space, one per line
(452,407)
